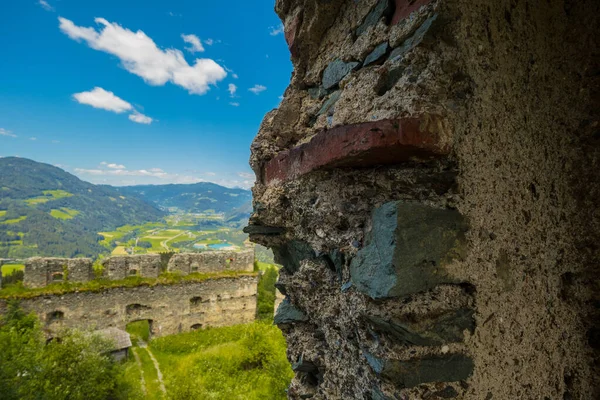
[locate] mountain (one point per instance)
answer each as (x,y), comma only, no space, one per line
(193,198)
(47,211)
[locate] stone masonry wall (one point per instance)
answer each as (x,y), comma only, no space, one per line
(429,183)
(170,308)
(120,267)
(212,261)
(40,271)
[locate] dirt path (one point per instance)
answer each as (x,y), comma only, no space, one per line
(164,242)
(144,346)
(139,363)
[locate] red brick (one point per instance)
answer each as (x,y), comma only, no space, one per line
(359,145)
(290,32)
(405,7)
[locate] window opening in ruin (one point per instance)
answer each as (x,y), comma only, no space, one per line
(196,300)
(196,327)
(55,316)
(194,268)
(57,277)
(133,272)
(136,308)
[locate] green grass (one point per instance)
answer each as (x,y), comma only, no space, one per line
(8,269)
(14,220)
(139,330)
(64,213)
(241,362)
(18,291)
(150,375)
(2,213)
(48,195)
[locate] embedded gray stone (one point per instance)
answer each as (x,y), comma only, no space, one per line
(382,9)
(326,107)
(407,249)
(291,253)
(445,328)
(287,313)
(336,71)
(376,54)
(318,92)
(411,373)
(412,41)
(263,230)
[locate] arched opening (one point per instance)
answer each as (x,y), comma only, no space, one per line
(55,316)
(140,330)
(194,268)
(195,327)
(133,272)
(136,308)
(57,277)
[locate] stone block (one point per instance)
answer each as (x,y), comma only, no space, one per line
(407,249)
(317,92)
(263,230)
(413,41)
(362,145)
(405,7)
(411,373)
(428,331)
(376,54)
(288,313)
(291,253)
(336,71)
(383,8)
(329,103)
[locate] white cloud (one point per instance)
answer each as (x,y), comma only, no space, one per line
(209,42)
(33,138)
(172,14)
(156,173)
(56,141)
(210,173)
(234,103)
(194,42)
(235,76)
(44,4)
(140,118)
(5,132)
(256,89)
(231,89)
(114,166)
(276,30)
(100,98)
(141,56)
(246,175)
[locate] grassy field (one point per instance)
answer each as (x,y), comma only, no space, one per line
(64,213)
(14,220)
(48,195)
(10,268)
(242,362)
(2,213)
(119,251)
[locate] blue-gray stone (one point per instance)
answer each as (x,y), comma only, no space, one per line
(328,105)
(318,92)
(291,253)
(346,286)
(407,249)
(414,40)
(336,71)
(377,394)
(445,328)
(411,373)
(287,313)
(376,54)
(383,8)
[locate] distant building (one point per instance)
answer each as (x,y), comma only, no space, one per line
(120,339)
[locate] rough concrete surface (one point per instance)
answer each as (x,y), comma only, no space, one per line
(513,87)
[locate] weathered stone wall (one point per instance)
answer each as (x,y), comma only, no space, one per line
(120,267)
(39,271)
(170,308)
(429,183)
(212,261)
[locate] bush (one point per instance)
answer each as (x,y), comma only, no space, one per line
(266,293)
(77,366)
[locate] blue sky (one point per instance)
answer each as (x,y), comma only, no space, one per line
(139,91)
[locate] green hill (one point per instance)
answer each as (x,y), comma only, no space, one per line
(48,212)
(192,198)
